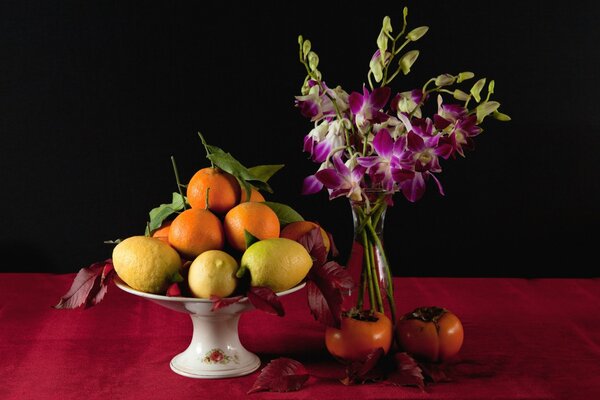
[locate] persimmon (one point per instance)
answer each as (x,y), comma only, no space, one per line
(359,334)
(430,333)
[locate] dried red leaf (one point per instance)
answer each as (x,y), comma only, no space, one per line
(313,243)
(332,247)
(281,375)
(436,372)
(89,286)
(326,293)
(219,302)
(265,299)
(405,371)
(366,370)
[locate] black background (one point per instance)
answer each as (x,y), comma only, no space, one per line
(96,96)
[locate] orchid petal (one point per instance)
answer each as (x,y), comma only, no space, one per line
(329,178)
(311,185)
(379,97)
(383,143)
(356,101)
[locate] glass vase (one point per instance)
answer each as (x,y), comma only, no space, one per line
(368,264)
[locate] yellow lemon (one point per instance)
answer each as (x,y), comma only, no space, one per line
(212,273)
(278,263)
(146,264)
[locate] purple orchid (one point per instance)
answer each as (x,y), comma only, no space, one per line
(408,102)
(454,118)
(344,179)
(318,104)
(366,107)
(379,166)
(324,138)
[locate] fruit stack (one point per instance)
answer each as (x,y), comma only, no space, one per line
(219,245)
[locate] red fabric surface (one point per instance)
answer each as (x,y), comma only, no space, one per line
(524,339)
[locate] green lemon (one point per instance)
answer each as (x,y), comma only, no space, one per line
(212,273)
(278,263)
(146,264)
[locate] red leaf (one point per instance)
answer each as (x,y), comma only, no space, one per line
(313,243)
(281,375)
(89,286)
(405,372)
(330,282)
(434,372)
(365,370)
(219,302)
(265,299)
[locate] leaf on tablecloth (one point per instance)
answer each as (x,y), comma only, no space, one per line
(264,299)
(366,370)
(435,372)
(219,302)
(281,375)
(89,286)
(405,371)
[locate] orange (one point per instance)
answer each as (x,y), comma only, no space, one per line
(295,230)
(256,218)
(255,195)
(162,233)
(195,231)
(223,190)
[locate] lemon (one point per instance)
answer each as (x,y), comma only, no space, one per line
(278,263)
(212,273)
(146,264)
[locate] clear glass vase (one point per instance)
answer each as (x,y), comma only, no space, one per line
(368,264)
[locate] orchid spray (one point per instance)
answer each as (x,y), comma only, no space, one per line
(374,143)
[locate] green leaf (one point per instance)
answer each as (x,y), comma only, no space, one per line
(265,172)
(417,33)
(285,213)
(250,238)
(476,89)
(162,212)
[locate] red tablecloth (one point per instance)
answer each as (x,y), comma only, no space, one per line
(525,339)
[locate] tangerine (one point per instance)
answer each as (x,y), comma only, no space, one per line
(222,187)
(256,218)
(195,231)
(295,230)
(162,233)
(255,195)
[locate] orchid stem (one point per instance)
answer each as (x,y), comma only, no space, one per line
(367,267)
(390,287)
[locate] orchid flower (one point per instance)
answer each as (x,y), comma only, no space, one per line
(379,166)
(325,138)
(344,179)
(366,107)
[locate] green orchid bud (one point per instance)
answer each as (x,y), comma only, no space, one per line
(317,74)
(305,88)
(444,80)
(313,60)
(491,86)
(476,89)
(376,67)
(485,109)
(306,48)
(460,95)
(463,76)
(387,24)
(407,60)
(382,42)
(417,33)
(300,40)
(500,116)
